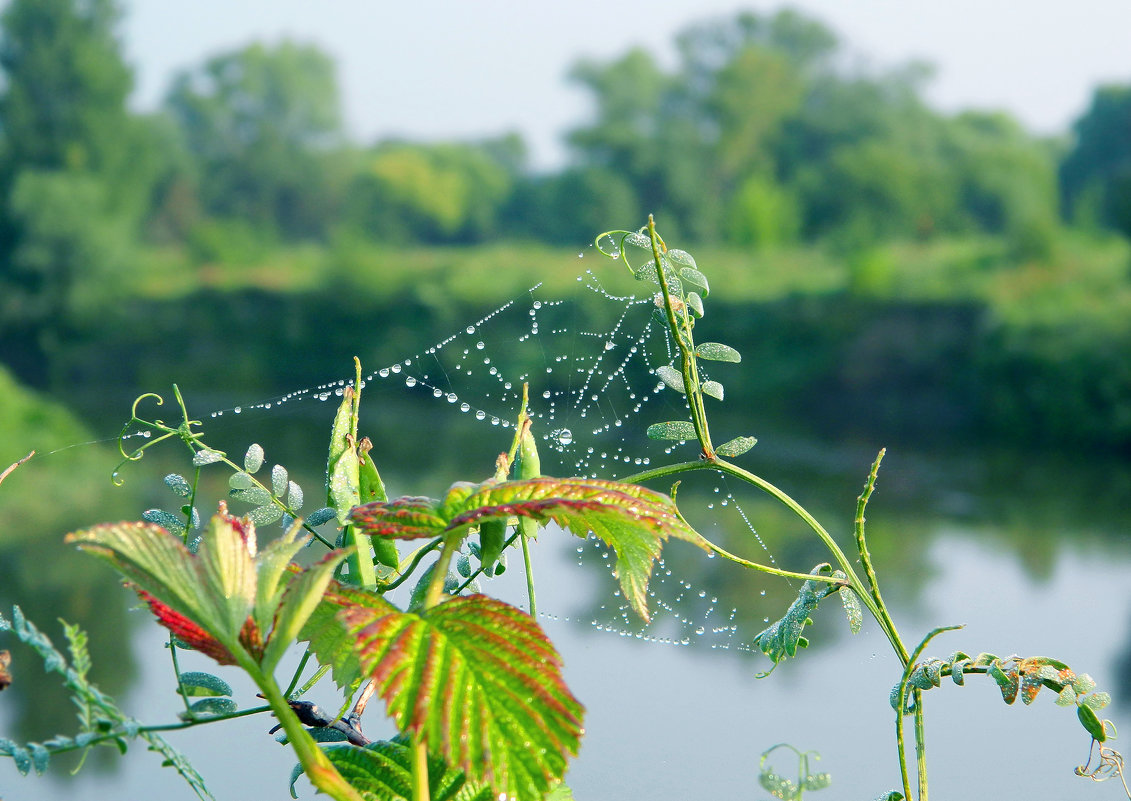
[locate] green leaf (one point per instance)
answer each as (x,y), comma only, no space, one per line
(328,638)
(1091,722)
(265,515)
(736,446)
(178,484)
(713,388)
(279,480)
(1083,684)
(479,683)
(40,756)
(253,459)
(320,516)
(852,609)
(634,520)
(891,795)
(677,429)
(294,496)
(300,599)
(680,257)
(255,495)
(817,781)
(206,456)
(1097,701)
(1066,697)
(195,683)
(241,481)
(342,466)
(209,707)
(167,521)
(715,351)
(694,277)
(782,638)
(671,377)
(1007,681)
(695,303)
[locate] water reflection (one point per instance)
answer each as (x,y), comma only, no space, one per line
(1023,550)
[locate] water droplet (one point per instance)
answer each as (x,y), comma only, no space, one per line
(437,393)
(563,435)
(546,394)
(471,329)
(610,345)
(409,381)
(480,414)
(396,368)
(538,304)
(238,409)
(479,345)
(452,397)
(383,372)
(465,407)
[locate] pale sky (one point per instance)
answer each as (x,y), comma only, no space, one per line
(430,69)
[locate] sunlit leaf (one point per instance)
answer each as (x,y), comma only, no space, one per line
(410,517)
(681,257)
(253,459)
(372,488)
(1006,678)
(736,446)
(294,496)
(676,429)
(713,388)
(718,352)
(256,495)
(634,520)
(479,683)
(279,479)
(671,377)
(328,638)
(694,277)
(240,480)
(302,595)
(492,535)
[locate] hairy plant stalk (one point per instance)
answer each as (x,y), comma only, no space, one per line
(684,342)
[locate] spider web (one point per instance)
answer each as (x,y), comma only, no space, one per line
(589,362)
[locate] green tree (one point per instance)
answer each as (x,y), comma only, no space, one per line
(1095,176)
(263,125)
(439,193)
(76,170)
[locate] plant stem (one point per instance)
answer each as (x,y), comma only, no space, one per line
(529,573)
(723,466)
(420,790)
(683,341)
(319,769)
(920,745)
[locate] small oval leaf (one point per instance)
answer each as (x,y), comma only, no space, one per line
(265,515)
(682,258)
(209,707)
(675,430)
(718,352)
(178,484)
(320,516)
(167,521)
(255,495)
(714,389)
(206,456)
(852,609)
(671,377)
(693,276)
(294,496)
(1091,722)
(736,446)
(241,481)
(253,459)
(196,683)
(279,480)
(695,303)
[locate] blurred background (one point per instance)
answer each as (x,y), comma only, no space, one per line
(916,223)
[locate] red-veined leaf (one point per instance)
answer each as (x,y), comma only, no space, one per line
(410,517)
(480,683)
(634,520)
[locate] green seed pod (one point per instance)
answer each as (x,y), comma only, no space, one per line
(492,535)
